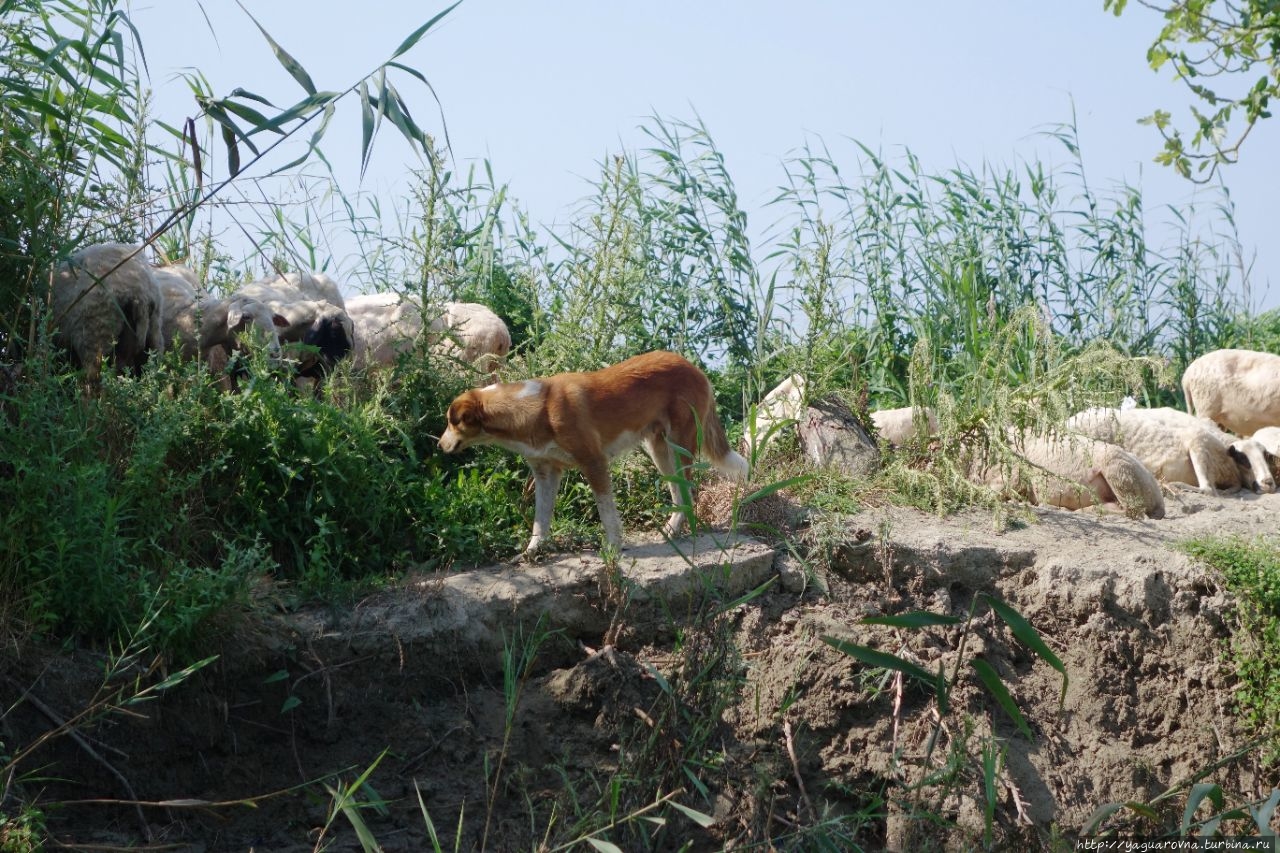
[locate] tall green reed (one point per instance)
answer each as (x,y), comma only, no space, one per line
(947,258)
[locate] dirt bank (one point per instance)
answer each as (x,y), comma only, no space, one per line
(759,724)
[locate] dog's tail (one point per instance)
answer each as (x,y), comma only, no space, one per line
(715,447)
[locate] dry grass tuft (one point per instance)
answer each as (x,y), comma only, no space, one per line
(774,514)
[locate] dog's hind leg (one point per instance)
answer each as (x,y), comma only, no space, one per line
(663,455)
(596,470)
(546,482)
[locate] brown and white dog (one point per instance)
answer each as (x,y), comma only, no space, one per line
(584,420)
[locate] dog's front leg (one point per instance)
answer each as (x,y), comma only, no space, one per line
(546,482)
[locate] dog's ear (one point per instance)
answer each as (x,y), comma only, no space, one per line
(465,411)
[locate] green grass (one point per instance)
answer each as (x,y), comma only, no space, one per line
(1251,568)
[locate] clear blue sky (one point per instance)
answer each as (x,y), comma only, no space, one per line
(545,90)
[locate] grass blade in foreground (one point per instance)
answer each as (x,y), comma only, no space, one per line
(884,660)
(1031,639)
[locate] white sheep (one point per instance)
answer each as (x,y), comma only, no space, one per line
(315,285)
(1238,389)
(388,324)
(106,303)
(1175,452)
(297,319)
(1269,438)
(210,328)
(1258,463)
(898,426)
(472,333)
(178,285)
(1074,472)
(783,403)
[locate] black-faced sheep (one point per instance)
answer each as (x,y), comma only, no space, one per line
(1073,472)
(316,323)
(106,304)
(1238,389)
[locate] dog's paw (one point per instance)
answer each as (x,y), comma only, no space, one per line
(529,556)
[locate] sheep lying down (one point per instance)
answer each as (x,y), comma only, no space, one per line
(1074,472)
(900,426)
(1181,448)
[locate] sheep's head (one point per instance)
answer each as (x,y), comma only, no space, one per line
(332,334)
(246,314)
(1257,465)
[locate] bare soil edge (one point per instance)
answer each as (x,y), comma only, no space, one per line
(417,671)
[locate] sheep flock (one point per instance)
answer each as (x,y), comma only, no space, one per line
(1124,457)
(109,304)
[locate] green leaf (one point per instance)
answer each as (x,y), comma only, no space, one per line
(996,687)
(233,151)
(1263,813)
(1103,812)
(659,677)
(247,113)
(604,846)
(289,704)
(303,108)
(884,660)
(367,124)
(416,35)
(250,96)
(1195,797)
(765,491)
(290,64)
(396,111)
(749,595)
(701,819)
(411,71)
(916,619)
(1028,636)
(1099,815)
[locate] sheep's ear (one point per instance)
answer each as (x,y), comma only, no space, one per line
(235,316)
(280,321)
(1238,455)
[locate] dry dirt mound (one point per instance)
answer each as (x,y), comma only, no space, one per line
(789,739)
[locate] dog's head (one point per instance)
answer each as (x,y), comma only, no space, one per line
(465,423)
